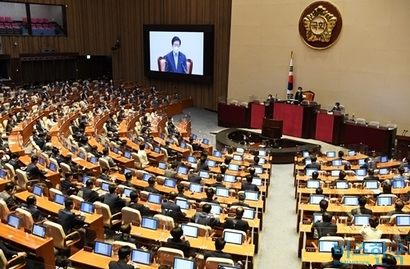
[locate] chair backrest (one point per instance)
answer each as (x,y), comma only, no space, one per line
(104,209)
(56,231)
(22,179)
(165,152)
(3,260)
(166,255)
(116,245)
(213,262)
(165,221)
(104,163)
(130,215)
(144,195)
(77,201)
(4,210)
(189,65)
(12,172)
(309,95)
(203,230)
(65,168)
(161,64)
(26,218)
(236,231)
(52,192)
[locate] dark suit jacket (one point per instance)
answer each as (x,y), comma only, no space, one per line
(217,254)
(240,204)
(89,195)
(7,252)
(151,189)
(299,96)
(237,224)
(114,202)
(361,211)
(34,172)
(68,219)
(119,265)
(171,209)
(40,142)
(170,63)
(194,178)
(212,201)
(313,165)
(181,245)
(249,187)
(144,211)
(35,212)
(129,239)
(324,228)
(16,165)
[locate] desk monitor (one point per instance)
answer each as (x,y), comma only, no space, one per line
(373,248)
(229,178)
(2,173)
(103,248)
(403,220)
(93,160)
(262,153)
(105,186)
(155,198)
(183,203)
(233,238)
(157,150)
(126,170)
(149,223)
(141,256)
(181,263)
(205,141)
(162,135)
(384,159)
(257,181)
(115,150)
(204,174)
(384,201)
(331,154)
(190,231)
(337,162)
(262,161)
(162,165)
(305,154)
(248,213)
(237,157)
(361,162)
(195,187)
(52,167)
(194,136)
(317,217)
(73,150)
(315,199)
(252,195)
(258,169)
(308,161)
(398,184)
(217,154)
(13,221)
(81,155)
(371,184)
(233,167)
(127,192)
(350,200)
(85,179)
(342,184)
(41,161)
(361,172)
(240,150)
(182,170)
(216,209)
(59,199)
(39,230)
(313,184)
(146,176)
(221,191)
(335,173)
(65,144)
(182,145)
(327,245)
(384,171)
(360,220)
(309,171)
(351,153)
(406,169)
(37,190)
(86,207)
(169,182)
(210,163)
(191,159)
(127,155)
(226,267)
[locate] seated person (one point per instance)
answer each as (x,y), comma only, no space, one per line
(124,234)
(237,223)
(144,210)
(315,176)
(248,186)
(151,185)
(31,206)
(170,208)
(370,176)
(388,262)
(33,171)
(202,164)
(313,164)
(113,200)
(361,210)
(7,195)
(337,107)
(205,217)
(179,241)
(124,259)
(324,227)
(68,187)
(210,197)
(10,254)
(194,177)
(366,164)
(104,174)
(218,252)
(241,201)
(128,178)
(219,182)
(181,191)
(370,232)
(87,192)
(337,254)
(398,208)
(401,176)
(68,219)
(62,262)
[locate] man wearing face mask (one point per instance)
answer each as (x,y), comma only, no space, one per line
(175,60)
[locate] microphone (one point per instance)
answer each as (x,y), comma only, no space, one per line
(183,66)
(403,133)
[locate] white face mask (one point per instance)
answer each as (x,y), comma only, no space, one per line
(176,49)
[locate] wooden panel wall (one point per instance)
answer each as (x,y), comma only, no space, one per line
(94,25)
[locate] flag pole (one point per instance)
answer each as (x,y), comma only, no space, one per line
(289,92)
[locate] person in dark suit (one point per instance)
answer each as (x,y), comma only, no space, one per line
(128,178)
(144,211)
(175,61)
(39,140)
(178,241)
(124,256)
(241,199)
(151,186)
(337,254)
(210,196)
(181,190)
(7,195)
(324,227)
(313,164)
(68,187)
(167,147)
(370,176)
(299,95)
(170,208)
(33,171)
(336,108)
(40,129)
(361,210)
(8,253)
(218,253)
(68,219)
(30,206)
(248,186)
(219,182)
(202,164)
(398,208)
(113,200)
(104,174)
(205,217)
(194,177)
(237,223)
(87,192)
(125,236)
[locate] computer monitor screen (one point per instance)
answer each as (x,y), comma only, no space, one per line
(220,266)
(146,176)
(361,162)
(262,161)
(257,181)
(216,209)
(182,170)
(397,184)
(205,141)
(204,174)
(383,200)
(73,150)
(233,167)
(181,263)
(127,192)
(41,161)
(220,191)
(13,221)
(149,223)
(308,161)
(194,136)
(315,199)
(157,150)
(350,200)
(237,157)
(252,195)
(194,187)
(154,198)
(384,171)
(39,230)
(360,220)
(342,184)
(313,184)
(351,153)
(361,172)
(371,184)
(59,199)
(191,159)
(248,213)
(52,167)
(162,165)
(169,182)
(85,179)
(127,155)
(335,173)
(217,154)
(81,155)
(102,248)
(183,204)
(262,153)
(93,160)
(37,190)
(233,238)
(2,173)
(326,246)
(384,159)
(331,154)
(258,169)
(229,178)
(141,256)
(105,186)
(115,150)
(305,154)
(337,162)
(406,169)
(402,220)
(211,163)
(317,217)
(309,171)
(240,150)
(162,135)
(86,207)
(182,145)
(190,231)
(373,248)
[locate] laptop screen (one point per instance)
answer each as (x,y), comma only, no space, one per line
(217,154)
(237,157)
(351,153)
(85,179)
(233,167)
(252,195)
(305,154)
(181,263)
(183,204)
(387,201)
(361,220)
(372,184)
(257,181)
(361,162)
(313,184)
(262,161)
(157,150)
(248,213)
(398,184)
(308,161)
(233,238)
(39,230)
(221,191)
(384,171)
(403,220)
(127,192)
(13,221)
(309,171)
(162,165)
(262,153)
(194,136)
(205,141)
(86,207)
(191,159)
(59,199)
(146,176)
(155,198)
(335,173)
(337,162)
(93,160)
(190,231)
(258,169)
(41,161)
(204,174)
(73,150)
(342,184)
(240,150)
(149,223)
(105,186)
(211,163)
(2,173)
(126,170)
(194,187)
(127,155)
(81,155)
(373,248)
(226,267)
(229,178)
(384,159)
(216,209)
(315,199)
(115,150)
(102,248)
(331,154)
(351,200)
(52,167)
(169,182)
(182,170)
(317,217)
(37,190)
(182,145)
(326,246)
(361,172)
(141,256)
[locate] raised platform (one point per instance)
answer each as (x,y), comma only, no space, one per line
(282,150)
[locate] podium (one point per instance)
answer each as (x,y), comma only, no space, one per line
(272,128)
(403,146)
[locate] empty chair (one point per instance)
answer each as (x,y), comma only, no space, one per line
(116,245)
(361,121)
(108,218)
(13,263)
(12,172)
(61,241)
(22,180)
(25,217)
(166,255)
(4,210)
(65,168)
(130,215)
(214,262)
(165,222)
(104,163)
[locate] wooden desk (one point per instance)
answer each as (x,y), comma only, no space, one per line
(94,220)
(54,177)
(184,152)
(118,158)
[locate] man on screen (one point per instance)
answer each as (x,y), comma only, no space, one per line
(175,60)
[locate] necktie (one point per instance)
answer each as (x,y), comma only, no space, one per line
(176,59)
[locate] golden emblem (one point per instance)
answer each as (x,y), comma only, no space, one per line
(319,25)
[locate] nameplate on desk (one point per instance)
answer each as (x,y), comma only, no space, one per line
(88,249)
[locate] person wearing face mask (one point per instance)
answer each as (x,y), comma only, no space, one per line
(176,60)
